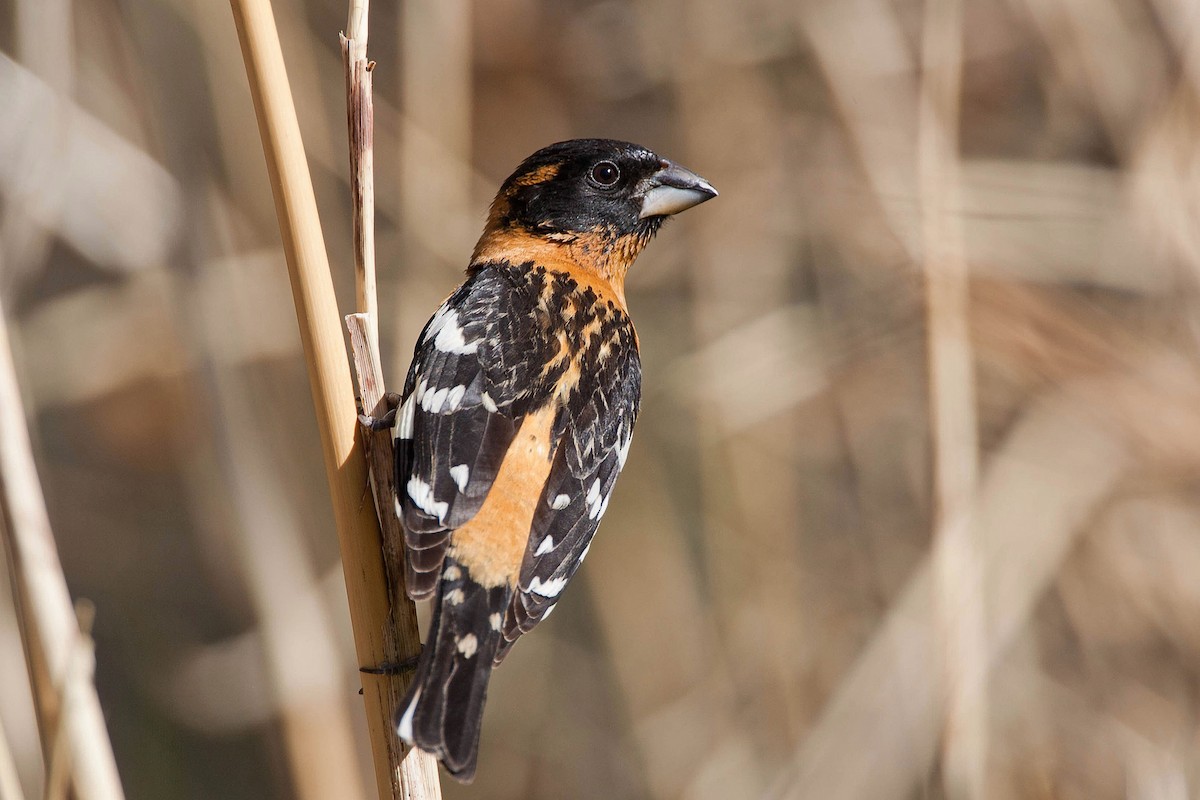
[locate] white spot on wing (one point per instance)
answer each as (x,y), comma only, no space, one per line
(403,429)
(560,502)
(451,338)
(488,402)
(495,620)
(461,474)
(603,507)
(422,494)
(583,555)
(452,573)
(454,398)
(422,387)
(433,401)
(546,546)
(549,608)
(623,450)
(455,597)
(550,588)
(467,645)
(595,503)
(438,322)
(399,508)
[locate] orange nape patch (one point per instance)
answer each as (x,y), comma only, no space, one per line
(584,257)
(536,176)
(492,545)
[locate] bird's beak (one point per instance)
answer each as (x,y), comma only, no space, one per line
(673,189)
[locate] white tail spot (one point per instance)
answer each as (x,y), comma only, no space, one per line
(404,728)
(495,619)
(467,645)
(455,597)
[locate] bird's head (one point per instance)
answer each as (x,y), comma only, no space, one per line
(598,199)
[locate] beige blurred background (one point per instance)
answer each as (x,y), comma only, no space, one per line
(765,613)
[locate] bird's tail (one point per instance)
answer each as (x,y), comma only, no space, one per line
(443,710)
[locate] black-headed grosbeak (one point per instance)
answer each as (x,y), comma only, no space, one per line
(517,415)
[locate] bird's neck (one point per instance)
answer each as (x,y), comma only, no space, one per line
(591,258)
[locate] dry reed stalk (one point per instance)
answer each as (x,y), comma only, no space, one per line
(418,770)
(64,695)
(375,638)
(958,561)
(1049,476)
(10,783)
(360,118)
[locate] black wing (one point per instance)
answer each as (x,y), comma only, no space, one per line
(593,431)
(469,386)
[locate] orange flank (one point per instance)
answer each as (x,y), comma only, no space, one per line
(492,545)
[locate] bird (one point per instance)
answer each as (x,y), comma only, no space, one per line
(517,415)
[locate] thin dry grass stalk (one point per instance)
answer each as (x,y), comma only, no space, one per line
(958,564)
(64,695)
(418,770)
(360,118)
(329,375)
(10,784)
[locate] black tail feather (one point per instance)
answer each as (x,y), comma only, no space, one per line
(443,710)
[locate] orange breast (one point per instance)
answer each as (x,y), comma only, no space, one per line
(492,544)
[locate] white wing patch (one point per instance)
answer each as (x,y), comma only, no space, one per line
(450,336)
(433,400)
(623,450)
(595,504)
(461,474)
(422,494)
(546,546)
(560,502)
(488,403)
(403,428)
(550,588)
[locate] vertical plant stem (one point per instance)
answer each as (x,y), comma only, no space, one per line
(333,395)
(418,770)
(958,566)
(10,783)
(64,697)
(360,118)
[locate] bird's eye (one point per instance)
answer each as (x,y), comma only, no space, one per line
(606,173)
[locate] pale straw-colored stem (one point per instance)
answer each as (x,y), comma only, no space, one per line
(958,566)
(375,637)
(68,708)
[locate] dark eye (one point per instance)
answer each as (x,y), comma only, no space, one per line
(606,173)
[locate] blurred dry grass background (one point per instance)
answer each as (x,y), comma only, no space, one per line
(760,615)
